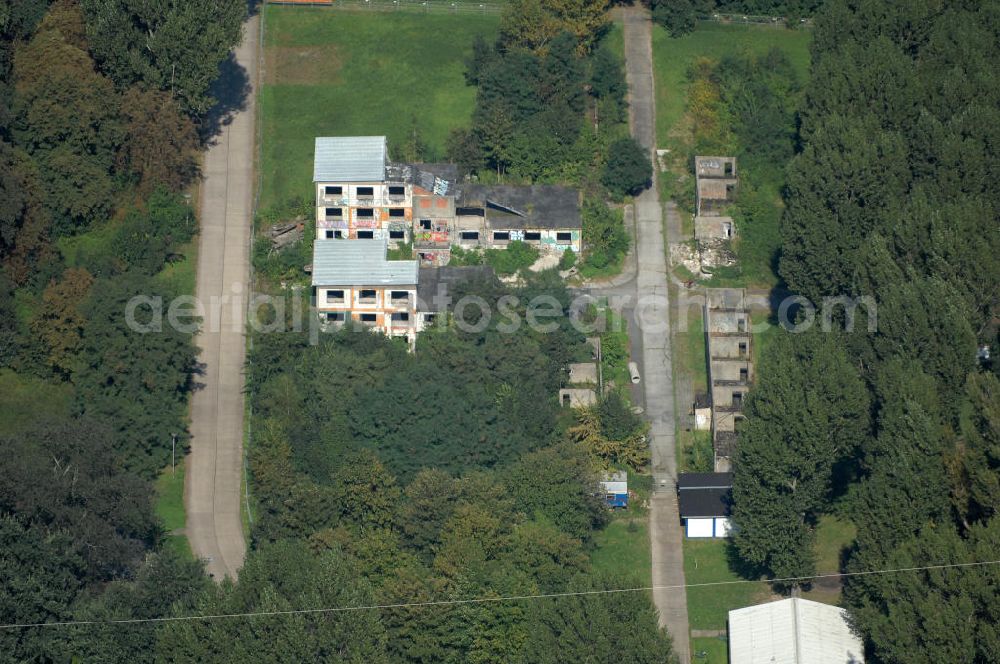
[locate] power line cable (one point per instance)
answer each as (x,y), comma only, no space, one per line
(483,600)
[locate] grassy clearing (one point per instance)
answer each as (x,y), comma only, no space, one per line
(690,341)
(170,508)
(710,651)
(614,41)
(673,57)
(180,276)
(26,401)
(707,561)
(623,549)
(344,73)
(833,536)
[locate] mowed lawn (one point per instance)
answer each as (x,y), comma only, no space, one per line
(329,72)
(673,57)
(706,561)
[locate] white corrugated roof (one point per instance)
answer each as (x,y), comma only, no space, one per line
(792,631)
(350,159)
(359,263)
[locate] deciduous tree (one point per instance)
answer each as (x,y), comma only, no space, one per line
(173,46)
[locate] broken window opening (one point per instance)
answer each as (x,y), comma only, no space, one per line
(333,191)
(335,296)
(564,237)
(366,235)
(501,236)
(334,212)
(395,190)
(532,236)
(367,296)
(469,236)
(366,192)
(366,213)
(397,212)
(397,235)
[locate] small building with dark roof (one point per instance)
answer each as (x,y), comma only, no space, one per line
(704,501)
(494,215)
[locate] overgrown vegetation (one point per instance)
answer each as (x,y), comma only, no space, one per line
(443,473)
(744,105)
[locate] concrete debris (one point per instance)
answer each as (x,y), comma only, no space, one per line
(286,234)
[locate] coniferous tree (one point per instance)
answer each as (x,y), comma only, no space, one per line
(807,410)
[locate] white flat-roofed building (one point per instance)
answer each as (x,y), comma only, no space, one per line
(792,631)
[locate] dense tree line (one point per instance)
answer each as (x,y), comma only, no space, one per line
(892,195)
(100,104)
(679,17)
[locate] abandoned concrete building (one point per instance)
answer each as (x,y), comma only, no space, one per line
(715,184)
(354,280)
(362,195)
(714,228)
(715,190)
(730,366)
(544,215)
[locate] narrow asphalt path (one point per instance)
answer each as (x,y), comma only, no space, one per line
(654,320)
(214,465)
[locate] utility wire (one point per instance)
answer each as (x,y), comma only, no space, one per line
(483,600)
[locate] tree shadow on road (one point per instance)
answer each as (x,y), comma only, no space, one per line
(231,91)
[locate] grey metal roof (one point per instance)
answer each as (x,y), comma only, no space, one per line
(359,263)
(350,159)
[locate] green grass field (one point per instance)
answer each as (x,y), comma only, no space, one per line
(706,561)
(673,57)
(623,550)
(709,651)
(330,73)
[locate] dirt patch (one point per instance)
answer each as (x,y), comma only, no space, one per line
(302,65)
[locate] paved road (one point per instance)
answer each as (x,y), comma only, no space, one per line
(214,466)
(651,286)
